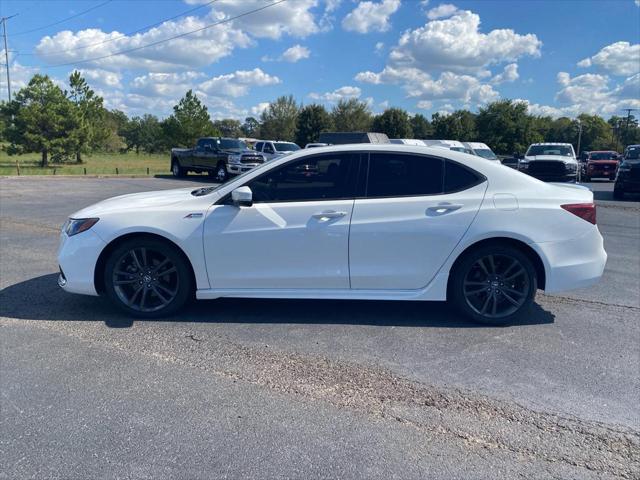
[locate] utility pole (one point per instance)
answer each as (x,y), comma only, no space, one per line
(626,126)
(579,172)
(6,53)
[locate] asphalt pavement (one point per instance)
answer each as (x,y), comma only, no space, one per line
(308,389)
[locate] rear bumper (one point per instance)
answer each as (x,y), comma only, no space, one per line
(575,263)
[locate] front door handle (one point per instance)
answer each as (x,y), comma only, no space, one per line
(445,207)
(328,214)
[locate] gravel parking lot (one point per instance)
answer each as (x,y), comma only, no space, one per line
(308,389)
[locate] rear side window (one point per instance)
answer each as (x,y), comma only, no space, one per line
(458,177)
(399,175)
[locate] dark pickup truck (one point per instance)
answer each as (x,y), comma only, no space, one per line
(219,157)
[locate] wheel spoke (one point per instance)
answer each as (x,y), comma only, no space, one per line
(135,259)
(120,272)
(514,263)
(170,292)
(143,251)
(160,265)
(494,308)
(492,264)
(513,291)
(162,298)
(125,282)
(132,300)
(510,299)
(143,298)
(483,266)
(167,271)
(514,275)
(485,305)
(474,283)
(476,290)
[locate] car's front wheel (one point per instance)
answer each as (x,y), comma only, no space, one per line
(493,284)
(220,173)
(176,169)
(147,278)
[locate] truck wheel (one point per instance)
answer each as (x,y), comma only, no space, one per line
(220,174)
(618,193)
(176,169)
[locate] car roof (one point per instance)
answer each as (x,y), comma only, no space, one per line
(551,143)
(478,145)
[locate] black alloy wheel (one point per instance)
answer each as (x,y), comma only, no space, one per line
(494,285)
(147,278)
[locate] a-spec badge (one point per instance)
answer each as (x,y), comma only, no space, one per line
(193,215)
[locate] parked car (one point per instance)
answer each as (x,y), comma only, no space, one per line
(408,141)
(628,175)
(374,222)
(220,157)
(272,149)
(315,145)
(481,150)
(345,138)
(600,164)
(555,162)
(454,145)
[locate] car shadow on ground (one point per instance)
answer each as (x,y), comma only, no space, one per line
(602,195)
(189,178)
(41,299)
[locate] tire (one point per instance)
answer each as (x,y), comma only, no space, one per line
(502,264)
(165,270)
(220,174)
(586,178)
(176,169)
(618,193)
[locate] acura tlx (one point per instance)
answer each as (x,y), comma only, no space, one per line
(377,222)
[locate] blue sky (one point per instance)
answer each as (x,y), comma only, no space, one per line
(562,57)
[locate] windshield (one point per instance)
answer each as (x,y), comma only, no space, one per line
(232,144)
(459,149)
(563,150)
(603,156)
(633,154)
(488,154)
(286,147)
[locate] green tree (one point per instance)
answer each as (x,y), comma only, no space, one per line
(312,121)
(190,120)
(278,121)
(506,126)
(43,120)
(394,122)
(150,134)
(250,127)
(459,125)
(421,127)
(228,127)
(351,115)
(90,114)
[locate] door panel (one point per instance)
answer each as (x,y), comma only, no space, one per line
(401,243)
(279,245)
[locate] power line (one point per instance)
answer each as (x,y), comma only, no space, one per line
(24,32)
(152,44)
(141,29)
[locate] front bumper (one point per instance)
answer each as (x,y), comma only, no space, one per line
(238,168)
(627,184)
(601,172)
(77,257)
(575,263)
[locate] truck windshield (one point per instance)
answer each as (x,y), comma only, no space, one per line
(603,156)
(562,150)
(286,147)
(232,144)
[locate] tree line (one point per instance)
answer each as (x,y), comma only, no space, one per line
(63,124)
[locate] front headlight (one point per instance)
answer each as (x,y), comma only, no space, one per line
(524,164)
(572,167)
(624,167)
(79,225)
(234,158)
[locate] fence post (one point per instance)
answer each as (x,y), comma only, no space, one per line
(54,170)
(18,167)
(147,170)
(117,171)
(85,170)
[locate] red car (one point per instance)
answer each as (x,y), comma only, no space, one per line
(600,164)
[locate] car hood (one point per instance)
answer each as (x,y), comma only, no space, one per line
(136,201)
(556,158)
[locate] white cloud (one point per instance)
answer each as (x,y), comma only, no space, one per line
(379,47)
(442,11)
(192,51)
(457,44)
(509,74)
(370,16)
(259,108)
(341,93)
(237,84)
(102,78)
(620,58)
(425,104)
(291,55)
(171,85)
(20,76)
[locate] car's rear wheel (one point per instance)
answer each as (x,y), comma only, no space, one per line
(147,278)
(176,169)
(493,284)
(220,173)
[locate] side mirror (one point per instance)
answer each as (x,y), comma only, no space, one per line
(242,197)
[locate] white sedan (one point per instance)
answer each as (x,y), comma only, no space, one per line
(376,222)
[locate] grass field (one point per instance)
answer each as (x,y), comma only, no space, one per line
(97,164)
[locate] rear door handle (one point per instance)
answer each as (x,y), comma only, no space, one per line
(445,207)
(329,214)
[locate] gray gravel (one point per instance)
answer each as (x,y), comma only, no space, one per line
(308,389)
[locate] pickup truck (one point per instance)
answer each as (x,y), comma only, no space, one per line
(552,162)
(272,149)
(219,157)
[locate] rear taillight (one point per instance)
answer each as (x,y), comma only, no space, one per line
(586,211)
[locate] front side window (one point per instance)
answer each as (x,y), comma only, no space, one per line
(232,144)
(286,147)
(318,177)
(268,148)
(259,146)
(400,175)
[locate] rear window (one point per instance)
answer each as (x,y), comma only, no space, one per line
(458,177)
(398,175)
(286,147)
